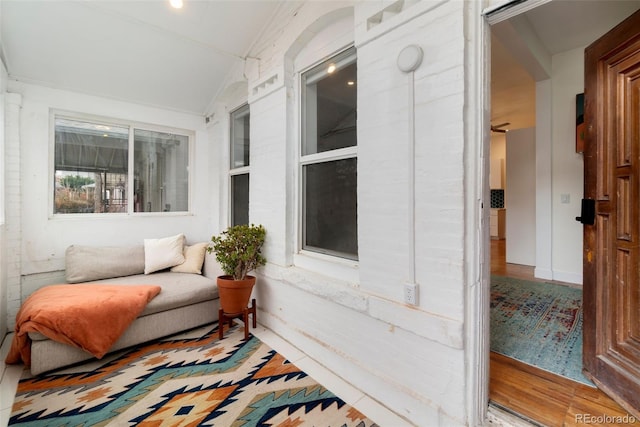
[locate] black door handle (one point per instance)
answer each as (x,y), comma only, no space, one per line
(588,212)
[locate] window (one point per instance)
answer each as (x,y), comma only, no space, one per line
(160,163)
(329,157)
(239,167)
(92,172)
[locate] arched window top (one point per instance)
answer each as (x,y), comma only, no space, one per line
(328,34)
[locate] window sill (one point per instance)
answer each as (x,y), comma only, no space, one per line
(114,215)
(329,287)
(340,268)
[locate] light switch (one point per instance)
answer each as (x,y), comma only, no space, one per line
(565,198)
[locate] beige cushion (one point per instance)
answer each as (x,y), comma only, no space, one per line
(86,263)
(193,259)
(163,253)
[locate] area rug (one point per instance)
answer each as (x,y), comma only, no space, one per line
(198,381)
(539,324)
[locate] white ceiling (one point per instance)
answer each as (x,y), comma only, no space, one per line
(559,26)
(138,51)
(146,52)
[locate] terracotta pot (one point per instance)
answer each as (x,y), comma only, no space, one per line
(234,294)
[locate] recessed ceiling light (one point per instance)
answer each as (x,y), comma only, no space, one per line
(331,68)
(176,4)
(351,82)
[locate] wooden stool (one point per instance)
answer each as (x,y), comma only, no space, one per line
(223,317)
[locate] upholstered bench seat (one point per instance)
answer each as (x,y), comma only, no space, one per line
(187,300)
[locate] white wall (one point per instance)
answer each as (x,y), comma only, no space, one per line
(351,317)
(568,166)
(520,197)
(559,171)
(11,239)
(44,238)
(498,153)
(419,361)
(544,205)
(3,253)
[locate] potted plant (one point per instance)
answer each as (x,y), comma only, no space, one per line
(238,249)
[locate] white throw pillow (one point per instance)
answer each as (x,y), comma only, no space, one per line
(163,253)
(193,259)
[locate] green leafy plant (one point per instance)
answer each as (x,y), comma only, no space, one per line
(238,249)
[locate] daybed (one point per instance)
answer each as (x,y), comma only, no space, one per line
(186,300)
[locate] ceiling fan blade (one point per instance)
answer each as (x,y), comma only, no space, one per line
(496,128)
(501,125)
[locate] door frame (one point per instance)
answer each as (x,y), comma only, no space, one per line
(491,16)
(478,275)
(477,182)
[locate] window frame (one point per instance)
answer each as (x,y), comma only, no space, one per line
(241,170)
(132,126)
(307,257)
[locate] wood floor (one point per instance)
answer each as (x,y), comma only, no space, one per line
(537,395)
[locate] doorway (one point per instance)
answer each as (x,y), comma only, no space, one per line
(556,78)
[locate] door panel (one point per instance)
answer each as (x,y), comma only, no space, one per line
(612,244)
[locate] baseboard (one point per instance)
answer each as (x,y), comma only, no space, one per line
(563,276)
(543,273)
(560,276)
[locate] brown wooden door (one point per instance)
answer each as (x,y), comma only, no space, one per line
(612,244)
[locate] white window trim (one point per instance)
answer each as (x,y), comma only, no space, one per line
(132,124)
(230,139)
(329,156)
(234,172)
(239,170)
(326,264)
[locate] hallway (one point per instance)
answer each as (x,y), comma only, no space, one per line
(540,396)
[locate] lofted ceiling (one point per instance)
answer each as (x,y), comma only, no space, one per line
(141,51)
(144,51)
(555,27)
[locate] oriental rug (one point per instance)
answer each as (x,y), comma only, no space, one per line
(538,323)
(199,381)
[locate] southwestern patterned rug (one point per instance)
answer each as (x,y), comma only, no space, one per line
(185,382)
(538,323)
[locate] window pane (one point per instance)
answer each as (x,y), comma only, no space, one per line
(240,137)
(90,167)
(330,211)
(240,199)
(161,162)
(329,105)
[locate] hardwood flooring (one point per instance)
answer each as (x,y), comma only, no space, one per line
(539,396)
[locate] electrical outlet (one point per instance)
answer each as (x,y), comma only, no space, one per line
(411,293)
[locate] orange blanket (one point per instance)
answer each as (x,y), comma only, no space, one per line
(87,316)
